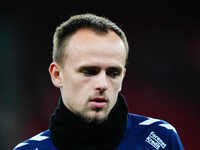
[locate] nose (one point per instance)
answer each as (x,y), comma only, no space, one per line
(101,82)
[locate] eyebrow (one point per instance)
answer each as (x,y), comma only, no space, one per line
(88,67)
(115,67)
(97,67)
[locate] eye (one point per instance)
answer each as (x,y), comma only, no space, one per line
(89,71)
(114,72)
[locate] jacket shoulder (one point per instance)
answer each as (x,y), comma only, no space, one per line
(153,132)
(148,122)
(40,141)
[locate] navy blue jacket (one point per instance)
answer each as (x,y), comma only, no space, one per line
(142,133)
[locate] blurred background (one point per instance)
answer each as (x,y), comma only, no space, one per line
(162,77)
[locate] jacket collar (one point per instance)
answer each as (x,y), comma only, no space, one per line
(70,131)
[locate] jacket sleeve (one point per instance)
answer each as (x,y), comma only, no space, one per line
(175,142)
(24,146)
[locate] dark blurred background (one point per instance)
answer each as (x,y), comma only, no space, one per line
(162,77)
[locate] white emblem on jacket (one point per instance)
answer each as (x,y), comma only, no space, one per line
(155,141)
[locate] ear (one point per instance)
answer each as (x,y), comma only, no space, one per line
(124,72)
(123,75)
(55,73)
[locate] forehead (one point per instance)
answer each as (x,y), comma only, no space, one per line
(88,46)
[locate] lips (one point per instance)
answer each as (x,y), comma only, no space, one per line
(99,99)
(98,102)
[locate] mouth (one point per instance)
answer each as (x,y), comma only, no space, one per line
(98,102)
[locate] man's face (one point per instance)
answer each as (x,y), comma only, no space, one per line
(92,74)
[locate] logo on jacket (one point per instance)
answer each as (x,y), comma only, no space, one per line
(155,141)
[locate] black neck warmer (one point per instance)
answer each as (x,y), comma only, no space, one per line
(69,131)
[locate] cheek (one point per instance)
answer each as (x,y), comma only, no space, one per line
(76,84)
(76,91)
(117,84)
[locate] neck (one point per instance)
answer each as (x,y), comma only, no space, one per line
(68,129)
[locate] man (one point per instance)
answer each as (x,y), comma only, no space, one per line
(89,58)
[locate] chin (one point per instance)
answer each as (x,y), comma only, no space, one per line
(97,118)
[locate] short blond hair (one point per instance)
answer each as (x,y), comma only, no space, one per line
(74,23)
